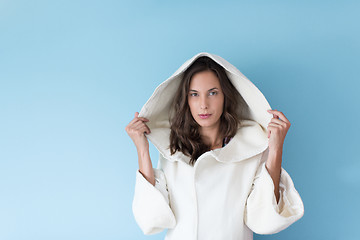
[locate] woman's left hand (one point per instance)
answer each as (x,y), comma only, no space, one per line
(277,128)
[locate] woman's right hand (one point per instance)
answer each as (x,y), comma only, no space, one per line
(136,130)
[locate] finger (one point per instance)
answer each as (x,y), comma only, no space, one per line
(134,121)
(274,116)
(271,128)
(138,124)
(278,121)
(279,114)
(142,118)
(144,129)
(269,131)
(147,130)
(135,118)
(138,119)
(136,114)
(274,125)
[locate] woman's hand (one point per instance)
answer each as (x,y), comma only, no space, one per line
(136,130)
(278,128)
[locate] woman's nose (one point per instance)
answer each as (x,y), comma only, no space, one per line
(203,103)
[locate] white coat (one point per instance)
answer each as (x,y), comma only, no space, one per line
(228,194)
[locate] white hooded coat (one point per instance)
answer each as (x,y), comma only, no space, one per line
(228,193)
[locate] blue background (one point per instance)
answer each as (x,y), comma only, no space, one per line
(73,73)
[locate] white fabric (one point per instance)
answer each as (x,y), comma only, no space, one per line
(228,193)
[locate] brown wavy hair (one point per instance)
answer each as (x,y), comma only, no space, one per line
(185,134)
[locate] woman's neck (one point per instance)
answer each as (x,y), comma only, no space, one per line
(212,138)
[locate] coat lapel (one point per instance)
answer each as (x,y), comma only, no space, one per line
(249,141)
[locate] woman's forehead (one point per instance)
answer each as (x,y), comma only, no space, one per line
(204,81)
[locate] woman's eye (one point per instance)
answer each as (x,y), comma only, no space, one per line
(193,94)
(213,93)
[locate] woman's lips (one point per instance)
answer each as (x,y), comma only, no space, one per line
(204,116)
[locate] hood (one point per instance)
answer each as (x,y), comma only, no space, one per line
(251,138)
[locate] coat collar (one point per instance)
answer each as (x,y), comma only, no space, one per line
(249,141)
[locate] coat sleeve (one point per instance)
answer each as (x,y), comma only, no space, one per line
(150,205)
(263,215)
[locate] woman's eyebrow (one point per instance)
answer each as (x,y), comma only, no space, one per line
(191,90)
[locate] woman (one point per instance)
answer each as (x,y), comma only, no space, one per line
(219,174)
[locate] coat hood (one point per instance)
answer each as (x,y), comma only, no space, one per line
(251,138)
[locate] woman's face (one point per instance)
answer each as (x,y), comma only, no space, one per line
(206,99)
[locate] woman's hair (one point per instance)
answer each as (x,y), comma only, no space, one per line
(185,134)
